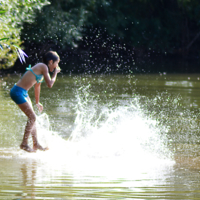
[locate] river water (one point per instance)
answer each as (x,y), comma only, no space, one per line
(110,137)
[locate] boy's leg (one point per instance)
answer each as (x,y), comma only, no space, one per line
(34,130)
(28,111)
(31,117)
(36,144)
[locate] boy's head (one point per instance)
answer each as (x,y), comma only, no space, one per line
(50,55)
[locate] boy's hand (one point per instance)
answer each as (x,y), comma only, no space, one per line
(58,69)
(40,107)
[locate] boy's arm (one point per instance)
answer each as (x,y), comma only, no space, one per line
(50,80)
(37,96)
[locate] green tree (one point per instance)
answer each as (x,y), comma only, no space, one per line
(12,14)
(61,22)
(166,26)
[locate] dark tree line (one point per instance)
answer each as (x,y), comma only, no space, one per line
(114,35)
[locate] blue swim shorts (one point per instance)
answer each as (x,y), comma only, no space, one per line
(19,95)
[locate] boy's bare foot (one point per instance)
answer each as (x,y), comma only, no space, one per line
(27,148)
(39,147)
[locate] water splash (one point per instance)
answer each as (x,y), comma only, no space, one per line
(118,129)
(123,130)
(106,137)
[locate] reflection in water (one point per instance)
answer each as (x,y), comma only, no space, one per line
(29,176)
(43,181)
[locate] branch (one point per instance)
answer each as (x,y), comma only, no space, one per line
(195,38)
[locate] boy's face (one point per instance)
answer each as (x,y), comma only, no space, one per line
(52,65)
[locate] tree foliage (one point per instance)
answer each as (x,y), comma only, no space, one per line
(163,25)
(166,26)
(60,22)
(12,14)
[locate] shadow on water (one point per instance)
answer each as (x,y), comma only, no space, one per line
(109,137)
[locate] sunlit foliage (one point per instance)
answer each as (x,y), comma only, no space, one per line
(12,14)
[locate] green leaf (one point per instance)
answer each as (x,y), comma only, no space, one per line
(4,39)
(16,46)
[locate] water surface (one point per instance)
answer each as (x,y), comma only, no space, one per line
(110,137)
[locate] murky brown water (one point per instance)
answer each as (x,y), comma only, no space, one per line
(110,137)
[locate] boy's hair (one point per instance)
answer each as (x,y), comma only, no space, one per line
(50,55)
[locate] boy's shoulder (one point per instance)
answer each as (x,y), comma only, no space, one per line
(41,65)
